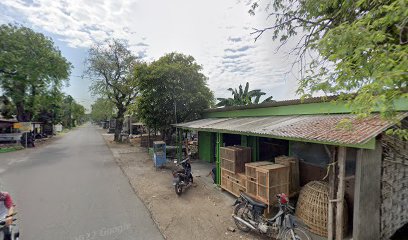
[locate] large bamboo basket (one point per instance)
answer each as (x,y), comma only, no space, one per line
(312,207)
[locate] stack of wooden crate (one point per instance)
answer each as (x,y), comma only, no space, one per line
(251,175)
(265,180)
(293,163)
(233,161)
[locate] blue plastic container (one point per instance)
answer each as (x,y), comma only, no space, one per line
(159,153)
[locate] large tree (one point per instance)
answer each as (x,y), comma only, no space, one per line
(50,107)
(110,66)
(72,113)
(243,97)
(7,109)
(102,109)
(362,48)
(29,64)
(173,89)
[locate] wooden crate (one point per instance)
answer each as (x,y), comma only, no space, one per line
(237,189)
(250,169)
(233,166)
(233,183)
(238,178)
(251,188)
(271,180)
(293,163)
(233,159)
(268,195)
(228,165)
(241,177)
(230,153)
(246,153)
(226,183)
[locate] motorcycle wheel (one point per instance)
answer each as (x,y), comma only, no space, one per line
(191,178)
(242,212)
(178,189)
(298,234)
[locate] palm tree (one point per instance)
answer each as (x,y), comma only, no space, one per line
(242,97)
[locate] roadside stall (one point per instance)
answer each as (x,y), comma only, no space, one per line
(9,131)
(337,175)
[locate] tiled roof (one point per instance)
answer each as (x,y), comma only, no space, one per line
(314,128)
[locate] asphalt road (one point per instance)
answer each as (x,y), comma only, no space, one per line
(72,189)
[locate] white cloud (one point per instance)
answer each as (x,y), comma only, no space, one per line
(216,33)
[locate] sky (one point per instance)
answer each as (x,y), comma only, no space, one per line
(216,33)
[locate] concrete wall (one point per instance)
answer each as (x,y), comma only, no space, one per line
(367,194)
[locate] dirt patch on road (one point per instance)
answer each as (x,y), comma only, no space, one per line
(202,212)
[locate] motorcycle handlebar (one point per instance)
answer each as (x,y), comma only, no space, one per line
(3,221)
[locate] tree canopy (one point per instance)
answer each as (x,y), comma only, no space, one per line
(30,65)
(110,65)
(102,109)
(242,97)
(362,48)
(7,108)
(173,89)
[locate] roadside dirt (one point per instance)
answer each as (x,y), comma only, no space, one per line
(202,212)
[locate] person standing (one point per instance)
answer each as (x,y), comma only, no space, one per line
(7,209)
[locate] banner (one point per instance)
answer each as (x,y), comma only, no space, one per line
(23,126)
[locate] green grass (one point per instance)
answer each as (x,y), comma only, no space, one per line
(10,149)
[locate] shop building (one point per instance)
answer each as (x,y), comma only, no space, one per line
(321,134)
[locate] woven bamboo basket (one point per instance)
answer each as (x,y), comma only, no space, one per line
(312,207)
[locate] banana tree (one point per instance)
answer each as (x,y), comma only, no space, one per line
(242,97)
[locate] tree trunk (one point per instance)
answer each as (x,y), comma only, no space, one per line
(22,114)
(119,124)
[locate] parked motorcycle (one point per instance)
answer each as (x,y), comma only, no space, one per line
(182,179)
(27,139)
(248,215)
(8,232)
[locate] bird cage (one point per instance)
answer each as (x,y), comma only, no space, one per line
(312,207)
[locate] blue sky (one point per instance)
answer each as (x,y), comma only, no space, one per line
(216,33)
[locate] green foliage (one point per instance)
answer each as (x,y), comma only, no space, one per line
(30,65)
(7,109)
(49,107)
(173,89)
(102,110)
(242,97)
(360,46)
(110,66)
(73,113)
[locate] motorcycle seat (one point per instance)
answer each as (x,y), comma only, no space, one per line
(253,201)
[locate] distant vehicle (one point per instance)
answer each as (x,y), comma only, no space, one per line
(248,215)
(182,178)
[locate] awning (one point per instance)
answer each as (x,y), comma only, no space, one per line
(335,129)
(8,120)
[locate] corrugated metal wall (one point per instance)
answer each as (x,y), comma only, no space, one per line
(205,146)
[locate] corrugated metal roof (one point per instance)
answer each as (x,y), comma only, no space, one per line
(8,120)
(275,104)
(314,128)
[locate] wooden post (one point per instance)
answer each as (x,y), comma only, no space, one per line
(217,159)
(332,191)
(340,192)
